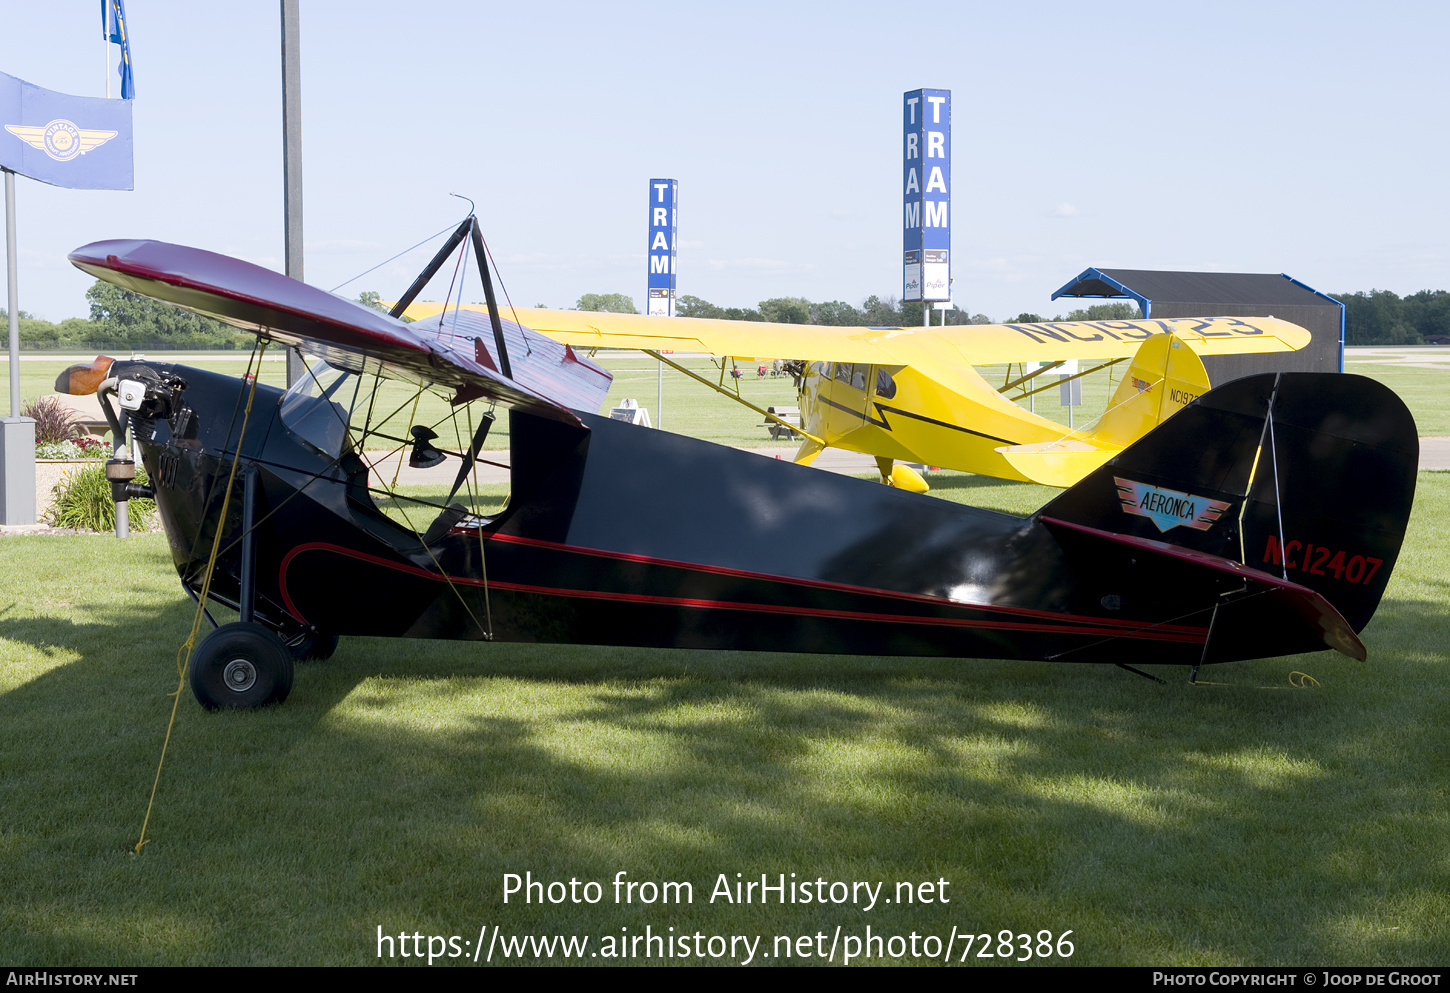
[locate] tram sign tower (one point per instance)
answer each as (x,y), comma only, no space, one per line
(664,197)
(927,193)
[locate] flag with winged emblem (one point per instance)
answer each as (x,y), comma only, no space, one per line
(82,143)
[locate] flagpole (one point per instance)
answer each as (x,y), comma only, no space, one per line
(292,159)
(17,434)
(11,282)
(106,41)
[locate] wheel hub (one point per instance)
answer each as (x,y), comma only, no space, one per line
(239,675)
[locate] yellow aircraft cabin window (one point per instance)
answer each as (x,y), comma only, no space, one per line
(885,384)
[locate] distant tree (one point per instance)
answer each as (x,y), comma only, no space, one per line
(609,303)
(122,316)
(371,298)
(836,314)
(879,313)
(1106,312)
(786,310)
(1026,318)
(693,306)
(1428,312)
(1376,318)
(910,316)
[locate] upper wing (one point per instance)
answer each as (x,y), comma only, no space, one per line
(695,334)
(975,344)
(548,378)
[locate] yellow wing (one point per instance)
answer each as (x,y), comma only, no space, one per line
(975,344)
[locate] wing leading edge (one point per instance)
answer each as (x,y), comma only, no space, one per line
(549,379)
(975,344)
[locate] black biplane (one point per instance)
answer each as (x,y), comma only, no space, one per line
(1264,519)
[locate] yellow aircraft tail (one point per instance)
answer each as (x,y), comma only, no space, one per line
(1164,377)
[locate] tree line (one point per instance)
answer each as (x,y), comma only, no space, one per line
(874,311)
(121,318)
(1380,317)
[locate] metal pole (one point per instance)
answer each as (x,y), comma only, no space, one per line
(123,451)
(660,397)
(11,283)
(292,158)
(17,434)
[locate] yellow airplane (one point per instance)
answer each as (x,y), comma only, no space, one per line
(912,394)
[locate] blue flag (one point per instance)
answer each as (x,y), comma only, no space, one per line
(114,29)
(82,143)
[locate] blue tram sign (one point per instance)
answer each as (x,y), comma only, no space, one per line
(926,182)
(663,200)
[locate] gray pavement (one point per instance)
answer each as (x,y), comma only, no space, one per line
(1435,453)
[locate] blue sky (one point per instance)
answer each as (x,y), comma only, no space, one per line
(1306,138)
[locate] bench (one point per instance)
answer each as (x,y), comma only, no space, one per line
(778,431)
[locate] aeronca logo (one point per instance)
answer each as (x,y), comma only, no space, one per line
(1168,509)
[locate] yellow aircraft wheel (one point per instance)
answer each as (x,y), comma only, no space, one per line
(907,478)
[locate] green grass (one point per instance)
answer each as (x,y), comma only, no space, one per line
(1423,391)
(1240,822)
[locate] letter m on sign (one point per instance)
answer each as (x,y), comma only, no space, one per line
(936,213)
(659,263)
(913,215)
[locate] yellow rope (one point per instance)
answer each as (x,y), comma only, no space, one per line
(412,419)
(183,654)
(1304,680)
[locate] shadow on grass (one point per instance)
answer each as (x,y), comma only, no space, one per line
(1215,824)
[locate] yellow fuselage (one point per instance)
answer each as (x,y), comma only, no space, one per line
(900,413)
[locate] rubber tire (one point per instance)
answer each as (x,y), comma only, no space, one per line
(266,667)
(317,646)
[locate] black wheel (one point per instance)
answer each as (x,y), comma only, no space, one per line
(240,666)
(312,644)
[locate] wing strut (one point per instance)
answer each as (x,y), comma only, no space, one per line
(733,396)
(468,228)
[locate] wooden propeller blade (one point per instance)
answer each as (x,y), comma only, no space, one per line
(84,380)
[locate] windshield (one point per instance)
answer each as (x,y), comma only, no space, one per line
(316,409)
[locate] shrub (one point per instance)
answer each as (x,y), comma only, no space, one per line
(85,501)
(76,448)
(54,422)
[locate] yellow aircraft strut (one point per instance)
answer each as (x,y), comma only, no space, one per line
(1060,381)
(1031,375)
(732,394)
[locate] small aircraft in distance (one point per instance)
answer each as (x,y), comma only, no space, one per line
(1262,519)
(913,394)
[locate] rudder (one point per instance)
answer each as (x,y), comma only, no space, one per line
(1307,476)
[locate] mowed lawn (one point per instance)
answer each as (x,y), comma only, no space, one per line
(1243,821)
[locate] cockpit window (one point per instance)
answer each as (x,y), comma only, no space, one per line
(885,384)
(317,407)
